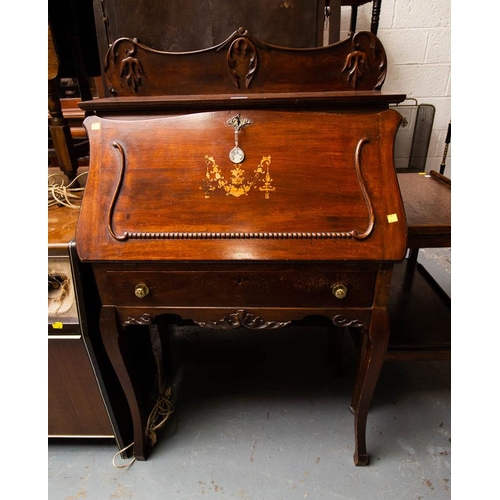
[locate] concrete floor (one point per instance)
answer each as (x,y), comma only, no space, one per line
(255,422)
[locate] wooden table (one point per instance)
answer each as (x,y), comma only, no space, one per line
(419,309)
(76,397)
(427,201)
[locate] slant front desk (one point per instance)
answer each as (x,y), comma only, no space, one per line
(244,186)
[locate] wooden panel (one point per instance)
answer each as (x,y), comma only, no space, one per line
(75,405)
(313,186)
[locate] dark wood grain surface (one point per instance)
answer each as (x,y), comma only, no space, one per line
(61,228)
(243,64)
(154,198)
(427,202)
(75,405)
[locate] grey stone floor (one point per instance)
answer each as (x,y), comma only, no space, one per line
(271,425)
(251,439)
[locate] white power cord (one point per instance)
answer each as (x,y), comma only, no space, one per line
(159,415)
(61,194)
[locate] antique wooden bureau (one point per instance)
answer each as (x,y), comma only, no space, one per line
(244,186)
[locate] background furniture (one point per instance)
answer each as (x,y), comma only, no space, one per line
(63,146)
(414,135)
(420,310)
(73,59)
(84,397)
(354,4)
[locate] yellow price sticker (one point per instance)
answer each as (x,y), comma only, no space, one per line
(392,218)
(57,325)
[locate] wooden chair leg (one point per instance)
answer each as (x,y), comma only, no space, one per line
(354,18)
(61,134)
(377,5)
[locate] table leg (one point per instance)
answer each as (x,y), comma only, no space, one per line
(371,362)
(117,353)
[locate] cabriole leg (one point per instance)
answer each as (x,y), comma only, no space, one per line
(112,337)
(371,362)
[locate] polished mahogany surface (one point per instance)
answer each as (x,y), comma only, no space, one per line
(313,186)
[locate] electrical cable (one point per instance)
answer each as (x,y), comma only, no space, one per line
(61,194)
(127,465)
(161,411)
(163,407)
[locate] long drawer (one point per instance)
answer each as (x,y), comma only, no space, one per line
(289,288)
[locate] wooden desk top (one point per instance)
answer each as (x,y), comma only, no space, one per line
(61,228)
(427,202)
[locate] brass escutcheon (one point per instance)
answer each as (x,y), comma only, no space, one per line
(141,290)
(339,290)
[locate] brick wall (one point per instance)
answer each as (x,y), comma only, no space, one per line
(417,39)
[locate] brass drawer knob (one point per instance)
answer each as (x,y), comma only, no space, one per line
(339,290)
(141,290)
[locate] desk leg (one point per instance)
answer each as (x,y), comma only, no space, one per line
(373,354)
(116,350)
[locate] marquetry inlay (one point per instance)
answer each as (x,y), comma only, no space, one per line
(237,185)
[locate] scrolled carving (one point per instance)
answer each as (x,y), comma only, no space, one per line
(342,321)
(130,67)
(355,65)
(242,319)
(367,56)
(144,319)
(242,61)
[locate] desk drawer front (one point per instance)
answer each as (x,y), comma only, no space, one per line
(212,289)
